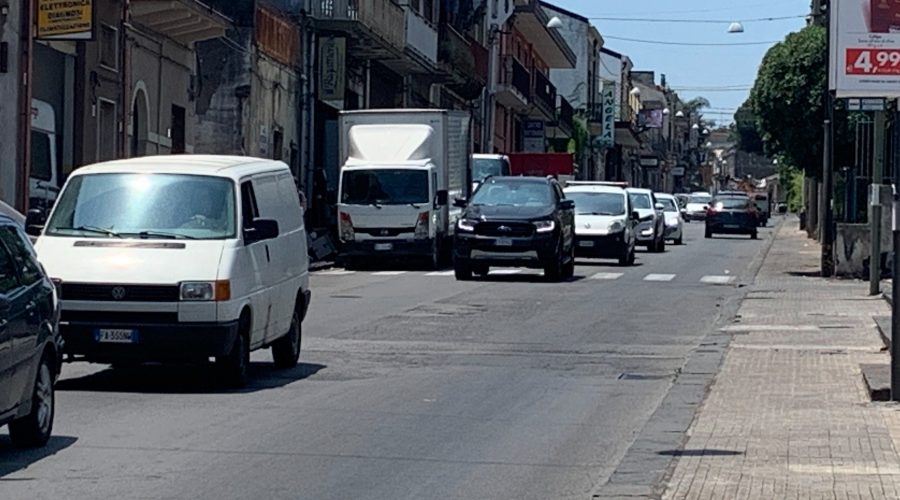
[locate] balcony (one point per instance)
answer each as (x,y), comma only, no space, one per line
(186,21)
(543,98)
(565,116)
(378,25)
(421,40)
(465,62)
(514,87)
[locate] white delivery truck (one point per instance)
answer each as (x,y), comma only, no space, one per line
(400,169)
(44,182)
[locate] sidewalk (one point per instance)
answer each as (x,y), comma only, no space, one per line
(788,415)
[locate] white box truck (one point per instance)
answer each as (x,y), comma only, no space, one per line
(400,170)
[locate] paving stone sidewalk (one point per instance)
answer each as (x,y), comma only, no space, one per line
(788,415)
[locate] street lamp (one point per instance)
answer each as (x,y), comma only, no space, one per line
(636,92)
(736,27)
(666,111)
(555,23)
(679,114)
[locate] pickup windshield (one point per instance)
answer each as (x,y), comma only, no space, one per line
(384,187)
(483,167)
(598,203)
(150,206)
(517,194)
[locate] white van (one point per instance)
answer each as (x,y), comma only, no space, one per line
(180,258)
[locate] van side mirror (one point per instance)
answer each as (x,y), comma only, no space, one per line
(460,203)
(260,230)
(34,221)
(441,199)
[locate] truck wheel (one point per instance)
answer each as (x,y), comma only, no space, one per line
(754,235)
(462,272)
(709,233)
(33,430)
(286,350)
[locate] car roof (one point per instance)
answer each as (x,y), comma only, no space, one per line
(594,189)
(234,167)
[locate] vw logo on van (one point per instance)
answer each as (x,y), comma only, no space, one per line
(118,293)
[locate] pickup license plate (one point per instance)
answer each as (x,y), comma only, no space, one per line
(384,247)
(116,336)
(503,242)
(586,243)
(731,226)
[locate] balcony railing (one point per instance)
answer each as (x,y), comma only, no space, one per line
(544,94)
(516,76)
(383,17)
(454,51)
(481,54)
(421,35)
(565,115)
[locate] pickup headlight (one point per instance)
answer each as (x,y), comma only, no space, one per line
(544,226)
(199,291)
(466,225)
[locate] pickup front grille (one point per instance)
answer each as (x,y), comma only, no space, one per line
(505,229)
(120,293)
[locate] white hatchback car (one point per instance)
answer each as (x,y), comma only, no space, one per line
(674,231)
(180,258)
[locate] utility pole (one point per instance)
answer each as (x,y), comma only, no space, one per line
(825,225)
(875,204)
(895,274)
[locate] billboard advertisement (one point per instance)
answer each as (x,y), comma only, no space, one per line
(865,48)
(65,20)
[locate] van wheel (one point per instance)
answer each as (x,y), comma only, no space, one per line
(33,430)
(236,364)
(286,350)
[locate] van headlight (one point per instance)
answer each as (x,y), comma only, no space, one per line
(199,291)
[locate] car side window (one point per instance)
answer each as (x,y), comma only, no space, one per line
(9,279)
(23,255)
(249,209)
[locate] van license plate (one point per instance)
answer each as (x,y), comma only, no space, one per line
(384,247)
(116,336)
(504,242)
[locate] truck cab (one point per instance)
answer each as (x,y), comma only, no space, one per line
(486,165)
(44,180)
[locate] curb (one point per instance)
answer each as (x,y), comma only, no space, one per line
(877,378)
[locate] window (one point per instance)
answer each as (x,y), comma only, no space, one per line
(9,280)
(177,130)
(109,47)
(22,253)
(668,205)
(249,209)
(171,206)
(107,131)
(640,200)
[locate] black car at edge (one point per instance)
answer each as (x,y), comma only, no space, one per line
(732,215)
(516,222)
(30,344)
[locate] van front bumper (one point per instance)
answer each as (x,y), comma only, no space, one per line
(387,248)
(150,342)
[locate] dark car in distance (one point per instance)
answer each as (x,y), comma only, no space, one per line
(732,215)
(30,344)
(516,222)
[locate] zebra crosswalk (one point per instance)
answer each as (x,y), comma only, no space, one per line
(721,280)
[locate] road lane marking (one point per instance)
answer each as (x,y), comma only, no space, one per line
(501,272)
(441,273)
(717,280)
(334,272)
(659,277)
(607,276)
(388,273)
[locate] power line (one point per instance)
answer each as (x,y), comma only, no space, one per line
(695,21)
(689,44)
(721,9)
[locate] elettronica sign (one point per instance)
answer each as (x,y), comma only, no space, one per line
(865,48)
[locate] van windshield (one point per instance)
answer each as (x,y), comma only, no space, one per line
(483,167)
(153,206)
(385,187)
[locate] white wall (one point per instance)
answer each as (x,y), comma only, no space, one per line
(572,83)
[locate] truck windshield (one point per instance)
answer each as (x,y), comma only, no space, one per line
(483,167)
(384,187)
(170,206)
(41,164)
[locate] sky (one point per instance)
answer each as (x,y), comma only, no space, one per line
(711,72)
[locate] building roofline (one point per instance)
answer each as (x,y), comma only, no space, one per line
(563,11)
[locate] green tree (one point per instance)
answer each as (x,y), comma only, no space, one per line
(787,98)
(745,130)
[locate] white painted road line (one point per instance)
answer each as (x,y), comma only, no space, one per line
(441,273)
(607,276)
(334,272)
(502,272)
(659,277)
(388,273)
(717,280)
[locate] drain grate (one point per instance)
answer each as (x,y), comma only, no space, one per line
(643,376)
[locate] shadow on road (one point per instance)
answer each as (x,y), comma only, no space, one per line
(14,459)
(703,452)
(606,264)
(185,379)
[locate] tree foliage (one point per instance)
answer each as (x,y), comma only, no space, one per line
(745,130)
(787,98)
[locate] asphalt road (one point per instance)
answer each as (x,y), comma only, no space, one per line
(411,386)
